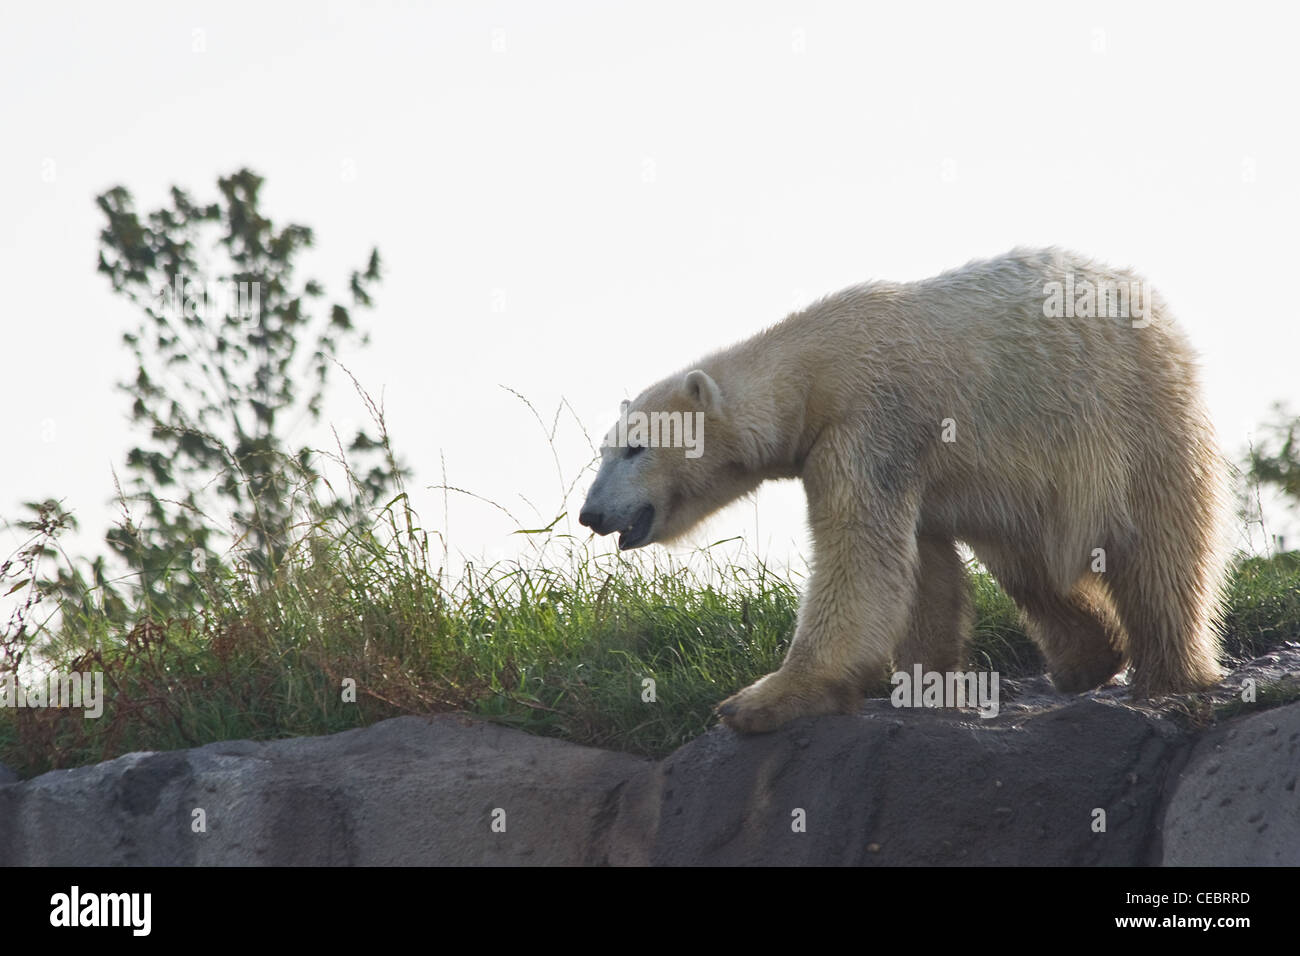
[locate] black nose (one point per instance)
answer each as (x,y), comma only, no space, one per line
(593,520)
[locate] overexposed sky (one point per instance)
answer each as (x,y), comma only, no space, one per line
(573,199)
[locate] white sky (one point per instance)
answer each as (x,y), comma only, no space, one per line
(573,199)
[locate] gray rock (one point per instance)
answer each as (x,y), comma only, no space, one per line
(7,775)
(1237,803)
(407,791)
(884,787)
(893,788)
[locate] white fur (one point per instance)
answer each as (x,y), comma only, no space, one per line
(1072,434)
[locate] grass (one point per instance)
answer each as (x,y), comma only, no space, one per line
(563,648)
(1267,696)
(1263,605)
(626,653)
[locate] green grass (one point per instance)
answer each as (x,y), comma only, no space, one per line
(560,646)
(1000,642)
(1267,696)
(1262,605)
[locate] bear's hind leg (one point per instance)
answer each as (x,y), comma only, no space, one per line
(942,615)
(1164,585)
(1079,634)
(1081,638)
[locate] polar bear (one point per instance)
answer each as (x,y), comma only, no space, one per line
(1041,407)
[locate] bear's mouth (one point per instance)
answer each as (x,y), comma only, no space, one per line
(638,532)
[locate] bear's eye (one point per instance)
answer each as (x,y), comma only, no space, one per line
(634,450)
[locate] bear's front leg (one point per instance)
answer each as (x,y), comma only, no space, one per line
(859,597)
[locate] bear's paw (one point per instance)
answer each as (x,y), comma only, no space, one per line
(775,700)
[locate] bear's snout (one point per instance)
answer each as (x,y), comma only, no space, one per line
(594,520)
(632,533)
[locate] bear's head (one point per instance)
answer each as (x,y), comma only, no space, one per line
(673,458)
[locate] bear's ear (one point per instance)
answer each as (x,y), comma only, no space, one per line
(702,390)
